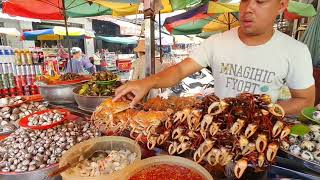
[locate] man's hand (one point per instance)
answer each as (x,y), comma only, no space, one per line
(136,90)
(300,99)
(133,90)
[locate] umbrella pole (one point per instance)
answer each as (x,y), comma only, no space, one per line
(229,23)
(67,32)
(160,45)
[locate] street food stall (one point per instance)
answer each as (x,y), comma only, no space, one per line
(74,130)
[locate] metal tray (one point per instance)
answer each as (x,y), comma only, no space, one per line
(308,164)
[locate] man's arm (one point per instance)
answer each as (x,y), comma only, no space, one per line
(174,74)
(136,90)
(300,99)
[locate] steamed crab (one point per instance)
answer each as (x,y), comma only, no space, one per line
(247,129)
(256,124)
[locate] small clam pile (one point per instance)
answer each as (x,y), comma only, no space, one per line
(307,146)
(46,118)
(9,116)
(9,101)
(28,150)
(106,162)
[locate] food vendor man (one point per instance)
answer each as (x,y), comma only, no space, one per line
(251,58)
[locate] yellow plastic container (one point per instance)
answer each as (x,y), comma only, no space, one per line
(165,159)
(90,146)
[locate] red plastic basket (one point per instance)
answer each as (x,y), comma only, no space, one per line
(24,121)
(15,105)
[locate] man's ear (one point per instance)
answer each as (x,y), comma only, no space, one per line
(283,5)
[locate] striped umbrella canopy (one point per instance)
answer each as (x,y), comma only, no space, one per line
(312,39)
(211,17)
(165,6)
(57,33)
(57,9)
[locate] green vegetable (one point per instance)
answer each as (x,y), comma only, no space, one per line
(300,130)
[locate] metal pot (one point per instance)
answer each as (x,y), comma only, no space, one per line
(87,103)
(58,94)
(32,175)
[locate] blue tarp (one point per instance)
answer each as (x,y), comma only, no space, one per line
(118,40)
(32,35)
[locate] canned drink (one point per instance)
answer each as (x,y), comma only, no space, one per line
(1,80)
(41,56)
(5,69)
(19,70)
(13,91)
(2,57)
(17,57)
(14,69)
(29,57)
(12,83)
(28,75)
(5,92)
(6,52)
(18,82)
(5,80)
(23,70)
(26,90)
(35,56)
(23,58)
(23,80)
(34,89)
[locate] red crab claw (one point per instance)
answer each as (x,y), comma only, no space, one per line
(261,143)
(272,151)
(250,130)
(183,147)
(285,132)
(240,167)
(172,148)
(204,148)
(261,159)
(277,129)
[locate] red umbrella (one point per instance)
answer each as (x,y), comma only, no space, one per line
(39,9)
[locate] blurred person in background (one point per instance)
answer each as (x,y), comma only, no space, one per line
(87,64)
(75,65)
(97,61)
(139,65)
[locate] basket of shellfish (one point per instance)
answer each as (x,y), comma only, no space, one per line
(10,116)
(246,130)
(45,119)
(32,154)
(305,147)
(12,101)
(99,158)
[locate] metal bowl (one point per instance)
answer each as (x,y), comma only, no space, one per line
(312,165)
(58,94)
(87,103)
(41,174)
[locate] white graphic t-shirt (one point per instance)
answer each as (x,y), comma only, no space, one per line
(262,69)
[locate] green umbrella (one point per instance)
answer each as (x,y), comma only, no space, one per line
(312,39)
(301,9)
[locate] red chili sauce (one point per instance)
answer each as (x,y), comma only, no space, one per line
(166,172)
